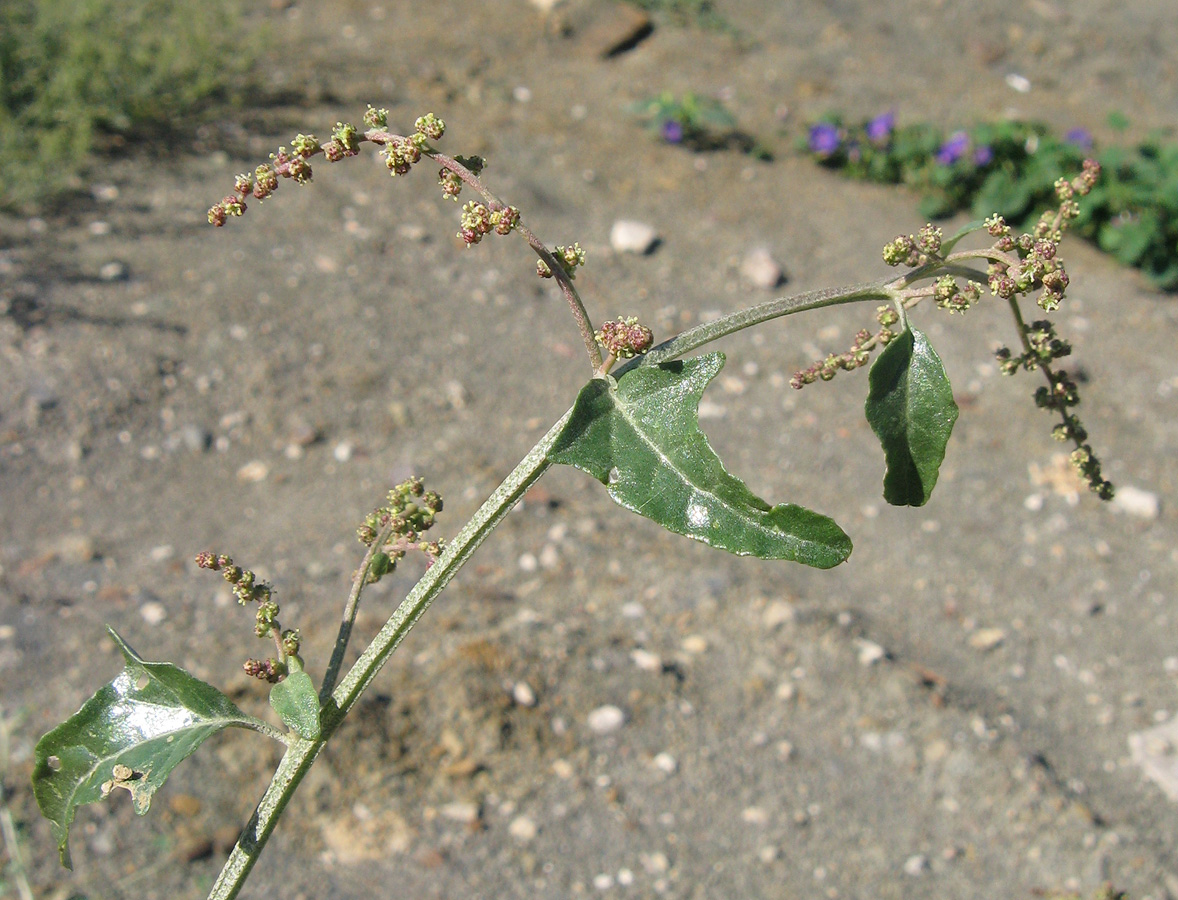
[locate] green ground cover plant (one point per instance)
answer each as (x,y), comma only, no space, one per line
(79,76)
(634,427)
(1010,168)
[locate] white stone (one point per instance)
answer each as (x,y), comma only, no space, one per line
(987,638)
(253,471)
(646,661)
(916,864)
(760,269)
(778,613)
(1137,502)
(343,451)
(153,612)
(466,813)
(654,863)
(114,271)
(522,829)
(694,644)
(629,236)
(869,652)
(755,815)
(562,768)
(606,719)
(1153,751)
(523,694)
(666,763)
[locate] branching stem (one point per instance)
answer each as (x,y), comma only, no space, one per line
(301,753)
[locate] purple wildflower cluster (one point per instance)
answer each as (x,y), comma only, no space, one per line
(958,146)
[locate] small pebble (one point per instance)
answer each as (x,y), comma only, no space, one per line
(654,863)
(1136,502)
(1019,83)
(195,438)
(760,269)
(114,271)
(606,719)
(523,694)
(161,553)
(778,613)
(466,813)
(767,854)
(646,661)
(628,236)
(253,472)
(104,193)
(562,768)
(987,638)
(75,548)
(603,882)
(522,829)
(694,644)
(754,815)
(153,612)
(343,451)
(549,557)
(916,864)
(666,763)
(869,652)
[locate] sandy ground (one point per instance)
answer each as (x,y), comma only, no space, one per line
(947,715)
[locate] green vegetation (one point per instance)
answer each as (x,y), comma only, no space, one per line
(700,13)
(1011,168)
(80,76)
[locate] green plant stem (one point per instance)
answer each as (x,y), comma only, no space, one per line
(301,753)
(348,618)
(689,340)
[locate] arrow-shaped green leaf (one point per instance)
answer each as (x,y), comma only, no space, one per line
(640,436)
(130,735)
(911,409)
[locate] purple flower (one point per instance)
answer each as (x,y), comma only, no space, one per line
(880,128)
(983,155)
(824,138)
(1080,137)
(953,149)
(672,131)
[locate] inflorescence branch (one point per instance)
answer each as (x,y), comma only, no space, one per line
(401,154)
(1017,266)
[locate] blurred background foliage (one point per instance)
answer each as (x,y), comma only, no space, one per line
(86,77)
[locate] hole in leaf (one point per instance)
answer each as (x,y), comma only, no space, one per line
(613,475)
(142,681)
(54,763)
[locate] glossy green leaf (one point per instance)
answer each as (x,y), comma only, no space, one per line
(640,436)
(296,702)
(129,735)
(911,409)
